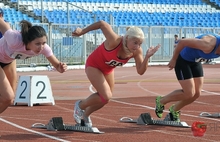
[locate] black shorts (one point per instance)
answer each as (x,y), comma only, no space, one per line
(4,64)
(186,70)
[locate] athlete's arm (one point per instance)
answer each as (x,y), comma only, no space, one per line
(142,64)
(4,26)
(60,67)
(112,39)
(206,44)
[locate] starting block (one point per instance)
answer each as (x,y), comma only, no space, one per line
(146,119)
(213,115)
(34,89)
(56,124)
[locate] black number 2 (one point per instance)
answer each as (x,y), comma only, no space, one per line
(39,95)
(23,97)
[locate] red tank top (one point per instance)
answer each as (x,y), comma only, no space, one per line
(105,60)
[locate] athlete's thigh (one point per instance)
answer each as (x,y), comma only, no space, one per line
(111,80)
(198,84)
(184,75)
(11,73)
(197,71)
(98,80)
(182,69)
(188,86)
(6,89)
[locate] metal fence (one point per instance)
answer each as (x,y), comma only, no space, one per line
(75,50)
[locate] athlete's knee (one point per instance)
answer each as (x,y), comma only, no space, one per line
(189,94)
(7,98)
(105,98)
(197,95)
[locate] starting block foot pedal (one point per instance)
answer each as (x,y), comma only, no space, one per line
(146,119)
(128,120)
(206,114)
(56,124)
(82,123)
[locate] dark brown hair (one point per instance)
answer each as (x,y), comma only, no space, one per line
(30,33)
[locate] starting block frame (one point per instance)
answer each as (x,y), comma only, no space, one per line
(211,115)
(146,119)
(56,124)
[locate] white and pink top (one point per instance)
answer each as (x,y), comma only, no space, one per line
(12,47)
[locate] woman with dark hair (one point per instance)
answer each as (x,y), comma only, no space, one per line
(29,42)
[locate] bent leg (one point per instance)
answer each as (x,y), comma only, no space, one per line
(103,85)
(6,92)
(185,93)
(11,73)
(190,77)
(198,88)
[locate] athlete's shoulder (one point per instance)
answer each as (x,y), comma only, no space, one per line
(208,34)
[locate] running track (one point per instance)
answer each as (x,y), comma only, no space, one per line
(132,96)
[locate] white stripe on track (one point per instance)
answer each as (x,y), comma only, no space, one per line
(211,92)
(32,131)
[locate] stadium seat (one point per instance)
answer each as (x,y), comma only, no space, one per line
(156,12)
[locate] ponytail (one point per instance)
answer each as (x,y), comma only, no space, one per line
(30,33)
(25,26)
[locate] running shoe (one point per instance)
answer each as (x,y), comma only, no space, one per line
(87,120)
(78,113)
(174,115)
(159,107)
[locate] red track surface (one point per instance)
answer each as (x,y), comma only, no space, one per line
(132,96)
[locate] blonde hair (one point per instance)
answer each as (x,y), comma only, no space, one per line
(133,32)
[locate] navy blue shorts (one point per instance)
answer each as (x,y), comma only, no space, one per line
(186,70)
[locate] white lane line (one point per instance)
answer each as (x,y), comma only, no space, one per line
(139,85)
(145,89)
(211,92)
(32,131)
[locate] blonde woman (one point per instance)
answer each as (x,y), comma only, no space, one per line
(115,51)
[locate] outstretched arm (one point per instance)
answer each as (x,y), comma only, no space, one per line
(142,64)
(104,26)
(60,67)
(111,37)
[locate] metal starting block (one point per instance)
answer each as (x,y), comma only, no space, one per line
(146,119)
(56,124)
(213,115)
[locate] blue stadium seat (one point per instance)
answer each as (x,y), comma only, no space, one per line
(131,17)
